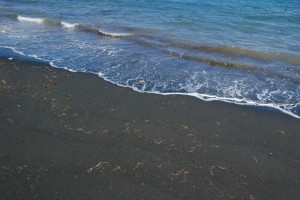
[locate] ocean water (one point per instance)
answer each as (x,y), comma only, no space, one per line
(244,52)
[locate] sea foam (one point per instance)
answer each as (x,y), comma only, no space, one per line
(105,33)
(72,26)
(30,19)
(69,25)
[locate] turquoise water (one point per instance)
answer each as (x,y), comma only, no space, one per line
(244,52)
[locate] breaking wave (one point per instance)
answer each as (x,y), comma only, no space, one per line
(79,26)
(30,19)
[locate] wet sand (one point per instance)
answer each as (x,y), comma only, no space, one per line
(72,136)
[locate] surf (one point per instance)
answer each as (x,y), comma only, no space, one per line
(79,26)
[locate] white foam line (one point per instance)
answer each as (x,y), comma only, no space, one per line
(69,25)
(113,34)
(30,19)
(203,97)
(22,54)
(14,50)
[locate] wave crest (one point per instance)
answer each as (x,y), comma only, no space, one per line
(82,27)
(113,34)
(30,19)
(69,25)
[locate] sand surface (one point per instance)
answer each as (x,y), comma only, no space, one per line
(74,136)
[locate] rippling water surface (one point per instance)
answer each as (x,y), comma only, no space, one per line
(245,52)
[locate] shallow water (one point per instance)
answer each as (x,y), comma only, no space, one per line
(240,52)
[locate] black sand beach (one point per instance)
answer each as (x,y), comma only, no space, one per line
(73,136)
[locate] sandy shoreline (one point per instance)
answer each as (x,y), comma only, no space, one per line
(70,135)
